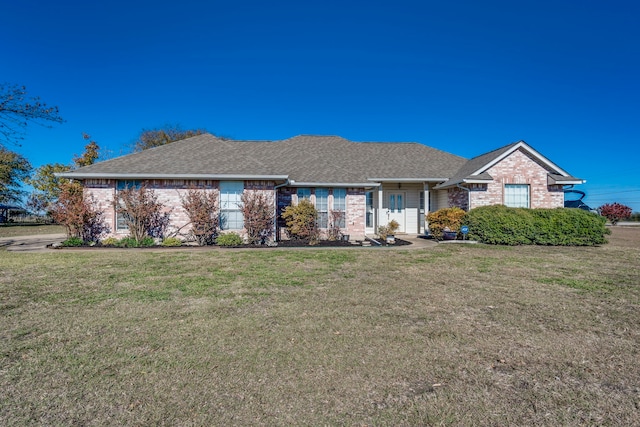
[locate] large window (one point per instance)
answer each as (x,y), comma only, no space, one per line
(230,205)
(340,206)
(516,195)
(121,224)
(322,206)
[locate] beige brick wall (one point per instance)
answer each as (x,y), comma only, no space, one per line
(518,168)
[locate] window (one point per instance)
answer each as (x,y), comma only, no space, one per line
(369,209)
(121,224)
(230,205)
(340,205)
(322,206)
(304,193)
(516,195)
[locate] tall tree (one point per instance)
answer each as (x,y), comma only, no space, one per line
(14,170)
(150,138)
(17,110)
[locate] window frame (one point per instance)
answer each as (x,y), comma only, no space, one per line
(231,215)
(517,195)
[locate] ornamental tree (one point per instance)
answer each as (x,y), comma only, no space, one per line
(257,209)
(201,207)
(615,212)
(142,212)
(79,214)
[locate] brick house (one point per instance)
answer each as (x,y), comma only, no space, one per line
(367,183)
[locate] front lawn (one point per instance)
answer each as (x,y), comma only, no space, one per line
(453,335)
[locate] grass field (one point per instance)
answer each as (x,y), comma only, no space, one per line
(454,335)
(13,230)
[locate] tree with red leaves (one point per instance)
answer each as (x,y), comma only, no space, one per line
(78,213)
(615,212)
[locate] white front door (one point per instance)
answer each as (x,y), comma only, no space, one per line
(396,209)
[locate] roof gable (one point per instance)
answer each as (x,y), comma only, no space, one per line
(476,169)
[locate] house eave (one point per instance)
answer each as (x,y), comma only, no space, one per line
(293,183)
(407,180)
(196,176)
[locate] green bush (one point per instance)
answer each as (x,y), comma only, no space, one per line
(499,225)
(128,242)
(172,241)
(72,242)
(110,241)
(229,239)
(302,221)
(450,218)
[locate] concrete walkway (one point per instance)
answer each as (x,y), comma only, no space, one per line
(35,243)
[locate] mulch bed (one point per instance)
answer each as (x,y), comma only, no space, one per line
(281,244)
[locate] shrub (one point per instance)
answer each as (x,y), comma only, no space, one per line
(500,225)
(388,230)
(258,212)
(615,212)
(128,242)
(336,219)
(142,212)
(441,219)
(202,209)
(72,242)
(78,213)
(172,241)
(110,241)
(229,239)
(302,221)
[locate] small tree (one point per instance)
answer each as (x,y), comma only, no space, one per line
(301,221)
(142,212)
(336,219)
(615,212)
(78,213)
(258,211)
(202,209)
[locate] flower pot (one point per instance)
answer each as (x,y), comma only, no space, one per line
(449,235)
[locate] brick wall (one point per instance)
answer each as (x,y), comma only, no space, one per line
(518,168)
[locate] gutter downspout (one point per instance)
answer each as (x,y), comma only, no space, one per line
(468,196)
(275,207)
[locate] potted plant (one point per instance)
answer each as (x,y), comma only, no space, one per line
(387,232)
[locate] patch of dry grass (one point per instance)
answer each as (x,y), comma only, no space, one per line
(455,335)
(14,230)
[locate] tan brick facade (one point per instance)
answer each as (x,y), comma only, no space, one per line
(517,168)
(170,192)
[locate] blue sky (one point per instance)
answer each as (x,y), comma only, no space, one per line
(465,77)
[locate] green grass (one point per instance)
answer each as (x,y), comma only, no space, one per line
(454,335)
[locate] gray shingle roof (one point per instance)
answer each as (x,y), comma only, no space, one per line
(304,158)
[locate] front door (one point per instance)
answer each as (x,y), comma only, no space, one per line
(396,209)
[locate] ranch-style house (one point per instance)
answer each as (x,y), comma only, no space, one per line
(367,183)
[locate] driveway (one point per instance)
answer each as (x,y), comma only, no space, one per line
(33,243)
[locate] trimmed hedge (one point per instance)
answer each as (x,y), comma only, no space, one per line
(500,225)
